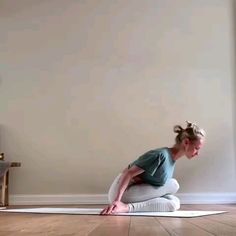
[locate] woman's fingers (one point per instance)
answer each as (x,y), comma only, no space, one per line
(107,210)
(104,211)
(111,208)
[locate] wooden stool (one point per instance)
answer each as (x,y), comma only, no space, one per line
(5,184)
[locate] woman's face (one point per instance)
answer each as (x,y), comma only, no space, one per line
(192,148)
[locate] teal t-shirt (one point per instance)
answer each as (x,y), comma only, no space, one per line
(157,164)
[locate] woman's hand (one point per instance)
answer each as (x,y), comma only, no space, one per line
(115,207)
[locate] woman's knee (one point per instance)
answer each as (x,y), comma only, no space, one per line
(173,185)
(113,190)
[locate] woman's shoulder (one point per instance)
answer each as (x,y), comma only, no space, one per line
(155,154)
(163,152)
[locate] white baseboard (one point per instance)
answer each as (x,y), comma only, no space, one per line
(20,199)
(207,198)
(185,198)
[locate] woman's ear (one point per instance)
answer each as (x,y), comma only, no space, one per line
(186,142)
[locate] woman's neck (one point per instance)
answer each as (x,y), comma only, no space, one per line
(176,152)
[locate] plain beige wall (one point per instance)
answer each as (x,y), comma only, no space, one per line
(88,86)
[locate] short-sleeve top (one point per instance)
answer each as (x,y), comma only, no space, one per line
(158,166)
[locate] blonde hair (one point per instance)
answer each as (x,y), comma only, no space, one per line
(192,132)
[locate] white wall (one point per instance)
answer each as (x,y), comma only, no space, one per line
(88,86)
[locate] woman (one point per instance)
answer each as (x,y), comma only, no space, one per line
(147,183)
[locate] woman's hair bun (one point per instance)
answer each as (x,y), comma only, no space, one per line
(178,129)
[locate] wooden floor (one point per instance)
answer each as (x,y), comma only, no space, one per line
(18,224)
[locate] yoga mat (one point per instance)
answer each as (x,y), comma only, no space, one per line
(96,211)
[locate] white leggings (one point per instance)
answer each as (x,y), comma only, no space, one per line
(146,197)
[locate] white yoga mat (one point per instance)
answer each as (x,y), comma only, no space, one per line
(96,211)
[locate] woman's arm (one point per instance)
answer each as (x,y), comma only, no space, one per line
(125,178)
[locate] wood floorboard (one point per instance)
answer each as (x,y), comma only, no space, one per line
(112,225)
(180,227)
(140,226)
(216,228)
(224,219)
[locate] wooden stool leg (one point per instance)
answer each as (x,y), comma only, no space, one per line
(3,193)
(5,189)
